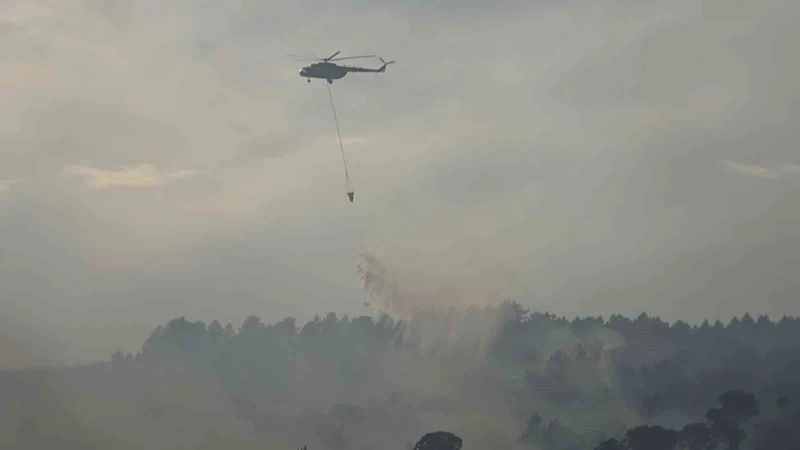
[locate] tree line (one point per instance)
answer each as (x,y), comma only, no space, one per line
(496,376)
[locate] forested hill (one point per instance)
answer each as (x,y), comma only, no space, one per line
(499,378)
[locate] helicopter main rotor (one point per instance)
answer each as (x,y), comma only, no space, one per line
(332,57)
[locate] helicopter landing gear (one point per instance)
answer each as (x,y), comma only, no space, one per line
(330,81)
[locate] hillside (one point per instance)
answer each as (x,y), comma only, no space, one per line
(496,377)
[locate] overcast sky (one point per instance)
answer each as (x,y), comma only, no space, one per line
(162,159)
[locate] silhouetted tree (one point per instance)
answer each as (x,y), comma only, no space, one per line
(696,436)
(651,437)
(611,444)
(533,432)
(739,405)
(726,422)
(439,440)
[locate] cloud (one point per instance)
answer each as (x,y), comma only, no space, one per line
(138,176)
(6,185)
(758,171)
(752,170)
(791,168)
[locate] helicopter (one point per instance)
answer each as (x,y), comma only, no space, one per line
(326,69)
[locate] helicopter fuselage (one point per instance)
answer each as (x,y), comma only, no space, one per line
(330,71)
(324,70)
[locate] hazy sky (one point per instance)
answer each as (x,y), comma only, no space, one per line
(164,158)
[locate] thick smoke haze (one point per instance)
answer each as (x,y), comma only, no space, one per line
(180,267)
(383,381)
(496,377)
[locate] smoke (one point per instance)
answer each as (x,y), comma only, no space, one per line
(458,314)
(442,377)
(406,283)
(22,348)
(380,290)
(285,386)
(445,313)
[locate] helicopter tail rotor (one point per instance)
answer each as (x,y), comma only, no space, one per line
(383,67)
